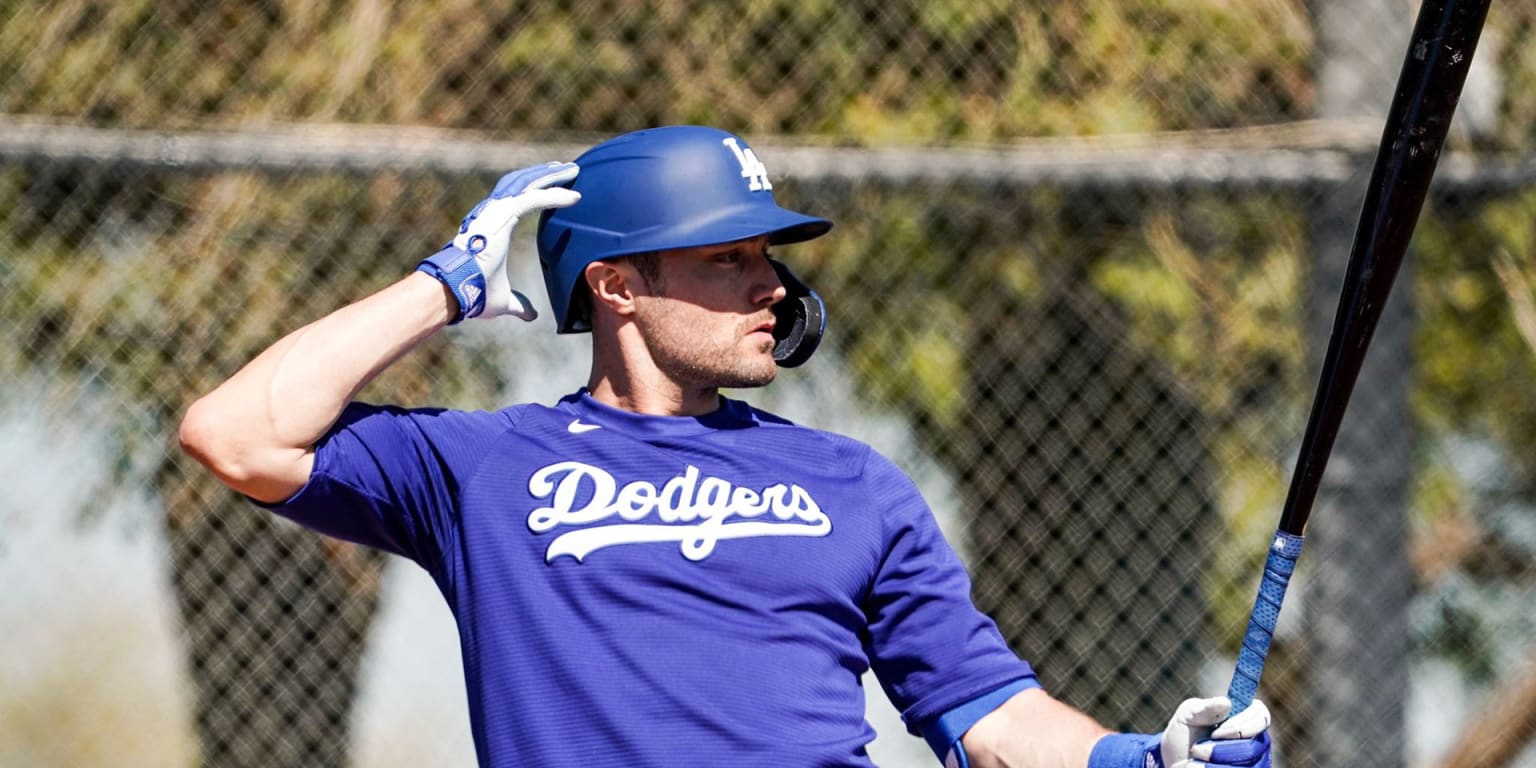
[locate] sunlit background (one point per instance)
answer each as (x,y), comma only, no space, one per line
(1085,263)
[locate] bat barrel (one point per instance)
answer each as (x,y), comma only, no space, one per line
(1434,71)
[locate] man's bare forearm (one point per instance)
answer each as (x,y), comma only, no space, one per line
(1032,730)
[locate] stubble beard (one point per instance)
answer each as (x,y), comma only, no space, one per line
(690,360)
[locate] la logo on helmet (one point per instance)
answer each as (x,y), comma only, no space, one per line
(752,169)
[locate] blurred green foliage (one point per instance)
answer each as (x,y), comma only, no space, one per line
(871,71)
(1478,273)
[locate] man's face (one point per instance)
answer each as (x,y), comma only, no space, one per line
(706,320)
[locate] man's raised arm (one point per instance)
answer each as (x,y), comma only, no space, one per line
(257,431)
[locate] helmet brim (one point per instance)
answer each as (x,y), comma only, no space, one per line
(781,225)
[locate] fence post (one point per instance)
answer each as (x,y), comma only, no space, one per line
(1357,597)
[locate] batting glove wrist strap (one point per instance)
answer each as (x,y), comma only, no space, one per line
(458,270)
(1127,750)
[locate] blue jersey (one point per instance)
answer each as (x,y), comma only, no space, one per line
(637,590)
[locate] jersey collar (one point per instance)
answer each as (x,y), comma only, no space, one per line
(732,414)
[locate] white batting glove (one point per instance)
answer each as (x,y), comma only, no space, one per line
(1197,736)
(474,265)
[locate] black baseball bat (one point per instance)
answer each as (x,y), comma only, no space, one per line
(1434,70)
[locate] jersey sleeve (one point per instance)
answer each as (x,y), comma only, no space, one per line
(388,478)
(931,648)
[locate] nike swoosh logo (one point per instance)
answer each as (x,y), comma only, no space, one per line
(576,427)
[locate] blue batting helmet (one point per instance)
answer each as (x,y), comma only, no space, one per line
(658,189)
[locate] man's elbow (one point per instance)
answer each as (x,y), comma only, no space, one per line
(205,436)
(236,455)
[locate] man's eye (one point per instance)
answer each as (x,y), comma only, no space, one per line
(729,257)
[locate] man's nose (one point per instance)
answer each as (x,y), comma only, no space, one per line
(773,290)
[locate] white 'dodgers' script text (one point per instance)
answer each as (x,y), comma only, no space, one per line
(690,508)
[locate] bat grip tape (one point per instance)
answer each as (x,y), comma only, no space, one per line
(1261,623)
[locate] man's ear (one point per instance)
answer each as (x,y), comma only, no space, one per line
(611,283)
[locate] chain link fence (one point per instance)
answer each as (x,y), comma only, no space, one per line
(1085,263)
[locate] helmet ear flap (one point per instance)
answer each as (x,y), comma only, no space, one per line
(799,320)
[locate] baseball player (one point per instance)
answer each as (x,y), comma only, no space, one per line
(648,573)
